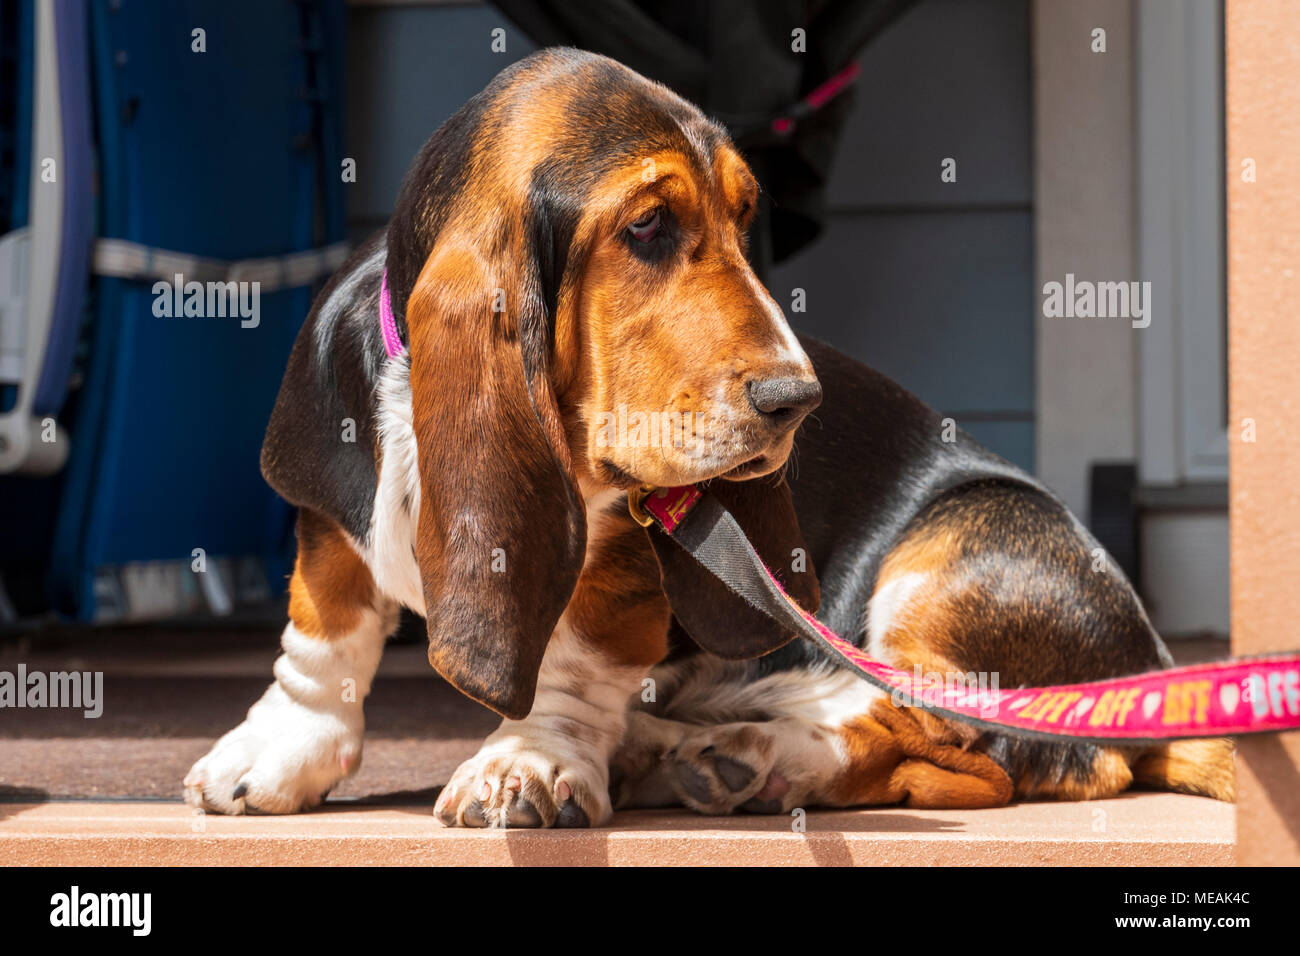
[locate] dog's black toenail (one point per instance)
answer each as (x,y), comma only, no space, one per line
(474,815)
(522,813)
(755,805)
(733,773)
(694,783)
(572,817)
(241,788)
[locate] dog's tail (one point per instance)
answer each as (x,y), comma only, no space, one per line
(1202,767)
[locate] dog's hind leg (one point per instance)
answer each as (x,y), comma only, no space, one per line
(756,766)
(305,733)
(815,737)
(880,757)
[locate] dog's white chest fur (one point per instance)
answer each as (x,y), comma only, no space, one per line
(389,548)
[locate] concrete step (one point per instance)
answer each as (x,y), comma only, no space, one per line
(1137,829)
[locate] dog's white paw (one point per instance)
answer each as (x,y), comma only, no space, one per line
(285,757)
(528,777)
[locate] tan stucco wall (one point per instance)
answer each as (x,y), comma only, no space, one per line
(1263,123)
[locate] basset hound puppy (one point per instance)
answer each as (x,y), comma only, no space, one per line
(569,314)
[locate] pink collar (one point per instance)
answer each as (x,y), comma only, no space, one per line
(387,324)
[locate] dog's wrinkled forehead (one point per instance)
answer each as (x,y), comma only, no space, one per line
(589,114)
(533,147)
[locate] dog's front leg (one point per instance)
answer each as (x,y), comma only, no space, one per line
(551,769)
(304,734)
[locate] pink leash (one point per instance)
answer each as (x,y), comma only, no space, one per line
(1242,696)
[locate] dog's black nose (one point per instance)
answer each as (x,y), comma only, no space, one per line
(785,398)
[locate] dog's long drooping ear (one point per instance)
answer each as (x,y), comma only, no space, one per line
(714,617)
(501,532)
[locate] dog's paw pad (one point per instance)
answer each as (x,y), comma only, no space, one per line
(719,768)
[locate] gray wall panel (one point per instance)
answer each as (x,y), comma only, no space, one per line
(409,69)
(940,302)
(951,78)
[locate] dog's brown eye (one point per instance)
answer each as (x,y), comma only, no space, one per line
(645,228)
